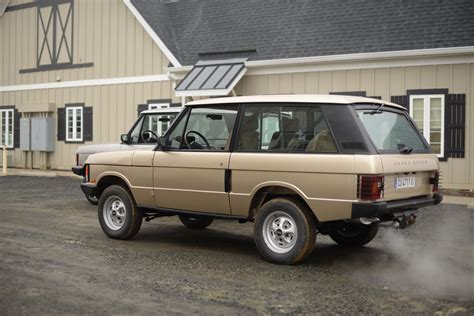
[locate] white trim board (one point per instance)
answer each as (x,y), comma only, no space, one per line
(84,83)
(152,34)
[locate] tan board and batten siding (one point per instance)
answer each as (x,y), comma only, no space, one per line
(106,34)
(384,82)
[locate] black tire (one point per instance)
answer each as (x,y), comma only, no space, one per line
(354,234)
(132,215)
(196,221)
(284,213)
(92,199)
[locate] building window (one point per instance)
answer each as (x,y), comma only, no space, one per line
(74,124)
(54,22)
(6,128)
(428,113)
(159,124)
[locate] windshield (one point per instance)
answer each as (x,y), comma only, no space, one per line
(391,131)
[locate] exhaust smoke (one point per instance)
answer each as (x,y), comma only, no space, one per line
(438,259)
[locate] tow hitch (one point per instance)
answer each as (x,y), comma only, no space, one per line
(404,219)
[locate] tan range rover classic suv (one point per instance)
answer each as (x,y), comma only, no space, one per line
(294,165)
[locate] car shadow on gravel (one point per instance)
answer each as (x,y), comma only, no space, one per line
(325,253)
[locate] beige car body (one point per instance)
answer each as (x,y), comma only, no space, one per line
(194,181)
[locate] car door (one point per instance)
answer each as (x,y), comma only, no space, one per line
(190,174)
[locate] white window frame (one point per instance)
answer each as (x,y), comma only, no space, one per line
(7,113)
(426,116)
(74,137)
(156,106)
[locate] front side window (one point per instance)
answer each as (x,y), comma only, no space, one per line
(428,113)
(150,127)
(6,128)
(74,125)
(285,129)
(204,129)
(391,132)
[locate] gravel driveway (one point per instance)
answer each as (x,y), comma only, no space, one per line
(55,259)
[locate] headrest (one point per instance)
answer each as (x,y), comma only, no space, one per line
(250,123)
(290,125)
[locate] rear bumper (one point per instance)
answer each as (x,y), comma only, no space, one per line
(386,209)
(88,189)
(77,170)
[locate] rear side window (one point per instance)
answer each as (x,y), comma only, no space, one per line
(285,129)
(391,131)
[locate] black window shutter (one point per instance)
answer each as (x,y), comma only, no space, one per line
(61,124)
(376,97)
(141,108)
(401,100)
(87,116)
(16,128)
(454,125)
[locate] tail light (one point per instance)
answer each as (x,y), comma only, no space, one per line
(435,181)
(370,187)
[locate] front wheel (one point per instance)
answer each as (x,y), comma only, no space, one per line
(354,234)
(119,216)
(284,231)
(196,222)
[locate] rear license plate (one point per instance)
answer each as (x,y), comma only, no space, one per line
(406,182)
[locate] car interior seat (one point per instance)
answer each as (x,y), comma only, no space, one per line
(322,142)
(288,138)
(249,137)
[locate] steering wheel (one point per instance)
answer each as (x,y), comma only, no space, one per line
(149,132)
(200,135)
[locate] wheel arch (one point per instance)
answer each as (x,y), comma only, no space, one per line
(112,178)
(270,190)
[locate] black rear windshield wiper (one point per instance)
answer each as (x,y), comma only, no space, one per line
(378,110)
(405,149)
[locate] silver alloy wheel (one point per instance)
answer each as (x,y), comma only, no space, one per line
(280,232)
(114,212)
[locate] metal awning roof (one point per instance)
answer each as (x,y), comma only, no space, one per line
(212,78)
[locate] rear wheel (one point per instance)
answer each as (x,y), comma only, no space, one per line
(354,234)
(119,216)
(284,231)
(196,221)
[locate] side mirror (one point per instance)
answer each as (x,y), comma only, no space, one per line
(162,143)
(124,138)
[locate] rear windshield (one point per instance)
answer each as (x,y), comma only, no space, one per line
(391,131)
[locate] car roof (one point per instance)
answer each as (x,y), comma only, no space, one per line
(166,110)
(295,98)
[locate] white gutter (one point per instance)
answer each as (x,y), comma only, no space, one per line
(362,56)
(152,34)
(176,73)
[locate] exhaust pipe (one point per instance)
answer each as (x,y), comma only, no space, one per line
(404,219)
(366,220)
